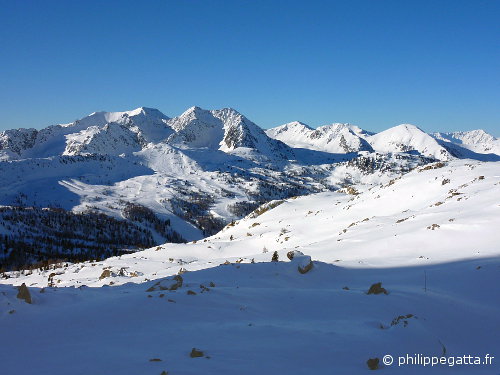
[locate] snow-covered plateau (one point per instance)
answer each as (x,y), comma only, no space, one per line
(135,243)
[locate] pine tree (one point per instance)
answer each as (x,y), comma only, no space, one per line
(275,257)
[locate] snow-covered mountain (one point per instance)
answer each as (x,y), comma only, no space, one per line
(344,138)
(334,138)
(110,133)
(406,138)
(197,172)
(477,141)
(225,130)
(114,133)
(429,237)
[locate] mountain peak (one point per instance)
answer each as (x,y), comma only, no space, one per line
(297,125)
(408,137)
(407,127)
(193,110)
(229,109)
(146,111)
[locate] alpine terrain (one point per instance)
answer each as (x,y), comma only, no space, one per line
(135,243)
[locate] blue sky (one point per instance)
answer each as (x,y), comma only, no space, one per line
(376,64)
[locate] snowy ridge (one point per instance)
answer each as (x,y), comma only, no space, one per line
(229,131)
(344,138)
(125,132)
(467,137)
(334,138)
(136,127)
(475,140)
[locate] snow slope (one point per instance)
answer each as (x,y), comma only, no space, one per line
(430,237)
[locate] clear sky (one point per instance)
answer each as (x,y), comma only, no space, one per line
(376,64)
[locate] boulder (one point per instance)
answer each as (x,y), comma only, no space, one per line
(105,273)
(24,293)
(195,353)
(377,289)
(303,262)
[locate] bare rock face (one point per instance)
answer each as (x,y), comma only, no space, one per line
(24,293)
(377,289)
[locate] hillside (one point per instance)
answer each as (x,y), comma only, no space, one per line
(429,237)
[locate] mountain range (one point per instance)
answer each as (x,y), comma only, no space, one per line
(226,130)
(186,177)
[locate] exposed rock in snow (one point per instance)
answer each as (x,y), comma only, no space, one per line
(303,262)
(24,293)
